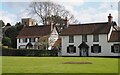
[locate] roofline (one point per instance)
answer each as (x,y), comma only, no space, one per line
(82,34)
(31,36)
(113,41)
(88,23)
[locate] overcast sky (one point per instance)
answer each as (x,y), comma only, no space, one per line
(86,11)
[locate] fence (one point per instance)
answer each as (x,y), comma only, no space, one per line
(28,52)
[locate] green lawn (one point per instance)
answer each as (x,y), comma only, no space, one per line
(54,65)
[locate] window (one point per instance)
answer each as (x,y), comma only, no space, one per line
(71,49)
(22,46)
(71,39)
(24,40)
(84,38)
(115,48)
(31,39)
(95,38)
(96,48)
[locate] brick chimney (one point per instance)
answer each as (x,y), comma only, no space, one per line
(51,25)
(66,21)
(110,18)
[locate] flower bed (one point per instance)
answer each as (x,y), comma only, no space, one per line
(77,63)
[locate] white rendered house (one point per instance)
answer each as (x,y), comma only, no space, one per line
(92,39)
(35,36)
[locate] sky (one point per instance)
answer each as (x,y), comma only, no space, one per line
(85,11)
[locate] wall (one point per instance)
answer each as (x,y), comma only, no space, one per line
(25,43)
(53,37)
(103,42)
(51,40)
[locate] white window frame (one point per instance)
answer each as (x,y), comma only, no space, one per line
(71,39)
(71,49)
(96,49)
(95,38)
(22,47)
(116,48)
(32,39)
(24,40)
(84,38)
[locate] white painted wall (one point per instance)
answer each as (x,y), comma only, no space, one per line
(53,37)
(25,43)
(65,43)
(103,42)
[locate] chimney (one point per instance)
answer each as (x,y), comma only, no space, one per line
(52,25)
(48,23)
(110,18)
(66,21)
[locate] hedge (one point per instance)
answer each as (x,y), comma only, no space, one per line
(28,52)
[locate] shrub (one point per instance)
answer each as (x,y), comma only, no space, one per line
(28,52)
(6,41)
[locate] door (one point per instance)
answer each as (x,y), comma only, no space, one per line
(83,52)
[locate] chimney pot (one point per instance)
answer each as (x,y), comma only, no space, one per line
(110,18)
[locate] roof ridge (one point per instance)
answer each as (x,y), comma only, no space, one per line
(88,23)
(36,26)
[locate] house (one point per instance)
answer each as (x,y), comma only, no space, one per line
(91,39)
(28,22)
(37,37)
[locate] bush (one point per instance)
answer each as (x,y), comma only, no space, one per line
(6,41)
(28,52)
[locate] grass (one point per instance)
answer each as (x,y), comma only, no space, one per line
(54,65)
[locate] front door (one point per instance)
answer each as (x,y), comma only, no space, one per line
(83,52)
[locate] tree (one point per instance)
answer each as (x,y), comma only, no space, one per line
(19,26)
(12,34)
(6,41)
(56,19)
(8,24)
(44,42)
(47,9)
(2,23)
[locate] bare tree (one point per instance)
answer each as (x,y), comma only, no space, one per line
(47,9)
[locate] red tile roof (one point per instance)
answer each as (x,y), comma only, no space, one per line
(91,28)
(115,36)
(34,31)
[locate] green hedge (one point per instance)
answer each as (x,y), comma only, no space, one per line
(28,52)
